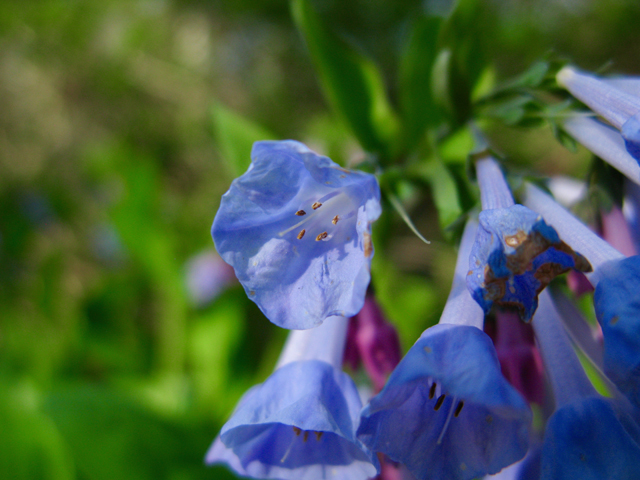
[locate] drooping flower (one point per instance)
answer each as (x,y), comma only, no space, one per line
(446,411)
(516,253)
(588,436)
(617,304)
(296,227)
(301,422)
(619,108)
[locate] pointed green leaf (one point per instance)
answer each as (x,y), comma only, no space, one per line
(351,82)
(416,98)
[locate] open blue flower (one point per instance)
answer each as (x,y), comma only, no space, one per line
(296,227)
(588,436)
(300,423)
(516,255)
(446,411)
(591,439)
(617,305)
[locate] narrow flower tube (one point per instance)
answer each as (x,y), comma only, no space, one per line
(619,108)
(446,411)
(588,436)
(515,254)
(494,191)
(605,142)
(611,103)
(577,235)
(578,329)
(615,230)
(301,422)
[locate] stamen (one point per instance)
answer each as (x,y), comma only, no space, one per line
(432,390)
(335,219)
(318,435)
(301,212)
(439,402)
(305,436)
(301,234)
(458,408)
(330,200)
(293,440)
(316,205)
(446,422)
(297,431)
(322,236)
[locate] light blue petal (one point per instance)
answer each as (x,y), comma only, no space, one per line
(631,133)
(322,403)
(617,305)
(592,439)
(298,283)
(491,430)
(516,254)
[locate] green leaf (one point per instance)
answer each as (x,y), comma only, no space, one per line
(416,98)
(460,60)
(30,445)
(235,136)
(351,82)
(445,192)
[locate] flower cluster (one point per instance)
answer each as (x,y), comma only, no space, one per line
(296,227)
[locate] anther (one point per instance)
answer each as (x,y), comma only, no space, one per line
(458,409)
(297,431)
(301,234)
(439,402)
(305,436)
(316,205)
(322,236)
(432,390)
(318,435)
(301,212)
(335,219)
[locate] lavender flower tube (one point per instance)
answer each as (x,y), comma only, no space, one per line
(446,411)
(588,436)
(619,108)
(516,254)
(301,422)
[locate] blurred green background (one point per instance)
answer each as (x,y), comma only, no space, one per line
(122,122)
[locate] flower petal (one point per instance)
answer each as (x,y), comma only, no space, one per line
(296,229)
(296,425)
(490,430)
(617,305)
(516,255)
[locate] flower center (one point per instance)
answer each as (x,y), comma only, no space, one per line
(323,218)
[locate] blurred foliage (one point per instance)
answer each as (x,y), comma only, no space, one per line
(122,124)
